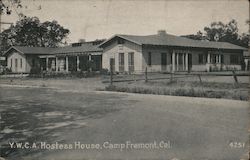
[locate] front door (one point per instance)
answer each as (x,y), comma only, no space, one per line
(163,61)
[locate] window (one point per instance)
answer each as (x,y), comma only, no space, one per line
(121,62)
(213,58)
(16,63)
(131,62)
(21,63)
(149,58)
(234,59)
(33,63)
(222,58)
(11,63)
(202,58)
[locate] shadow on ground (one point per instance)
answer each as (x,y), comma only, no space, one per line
(37,115)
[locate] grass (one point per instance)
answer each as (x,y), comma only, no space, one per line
(190,89)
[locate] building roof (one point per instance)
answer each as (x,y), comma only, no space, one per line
(31,50)
(176,41)
(85,47)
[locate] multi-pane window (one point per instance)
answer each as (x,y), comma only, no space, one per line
(131,62)
(121,62)
(149,58)
(16,62)
(234,59)
(222,59)
(202,58)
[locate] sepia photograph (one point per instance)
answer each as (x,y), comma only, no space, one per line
(124,79)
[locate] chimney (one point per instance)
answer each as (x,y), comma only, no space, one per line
(162,32)
(81,40)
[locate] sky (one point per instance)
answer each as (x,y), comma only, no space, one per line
(98,19)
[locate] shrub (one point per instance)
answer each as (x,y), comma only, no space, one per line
(104,71)
(35,70)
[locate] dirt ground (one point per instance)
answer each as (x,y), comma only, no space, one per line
(195,128)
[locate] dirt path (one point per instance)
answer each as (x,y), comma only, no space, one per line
(195,128)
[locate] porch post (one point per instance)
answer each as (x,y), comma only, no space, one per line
(186,61)
(67,63)
(90,58)
(77,63)
(208,62)
(177,61)
(57,62)
(47,63)
(173,61)
(183,61)
(246,64)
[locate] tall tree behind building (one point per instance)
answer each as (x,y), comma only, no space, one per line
(29,31)
(218,31)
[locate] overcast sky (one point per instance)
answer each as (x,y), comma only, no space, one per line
(97,19)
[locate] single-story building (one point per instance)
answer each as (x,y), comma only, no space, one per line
(75,57)
(165,52)
(21,59)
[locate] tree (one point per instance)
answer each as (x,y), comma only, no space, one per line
(198,36)
(218,31)
(29,31)
(5,5)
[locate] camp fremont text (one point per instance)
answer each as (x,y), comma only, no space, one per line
(83,146)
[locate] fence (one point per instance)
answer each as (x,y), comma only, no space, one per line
(146,76)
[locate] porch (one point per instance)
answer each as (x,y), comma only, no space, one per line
(71,62)
(196,61)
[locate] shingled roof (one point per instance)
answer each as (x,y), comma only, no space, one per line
(85,47)
(31,50)
(172,40)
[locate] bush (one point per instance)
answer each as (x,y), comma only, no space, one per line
(104,71)
(35,70)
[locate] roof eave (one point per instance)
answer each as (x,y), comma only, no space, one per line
(100,45)
(12,47)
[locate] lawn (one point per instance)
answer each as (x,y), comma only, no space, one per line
(191,85)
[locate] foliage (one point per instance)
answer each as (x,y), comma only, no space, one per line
(5,8)
(29,31)
(35,70)
(218,31)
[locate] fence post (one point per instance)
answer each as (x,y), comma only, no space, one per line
(200,78)
(235,77)
(146,74)
(171,77)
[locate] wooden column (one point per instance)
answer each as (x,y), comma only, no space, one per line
(186,57)
(246,64)
(173,61)
(177,61)
(77,63)
(57,66)
(90,58)
(183,61)
(47,64)
(208,62)
(67,63)
(208,58)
